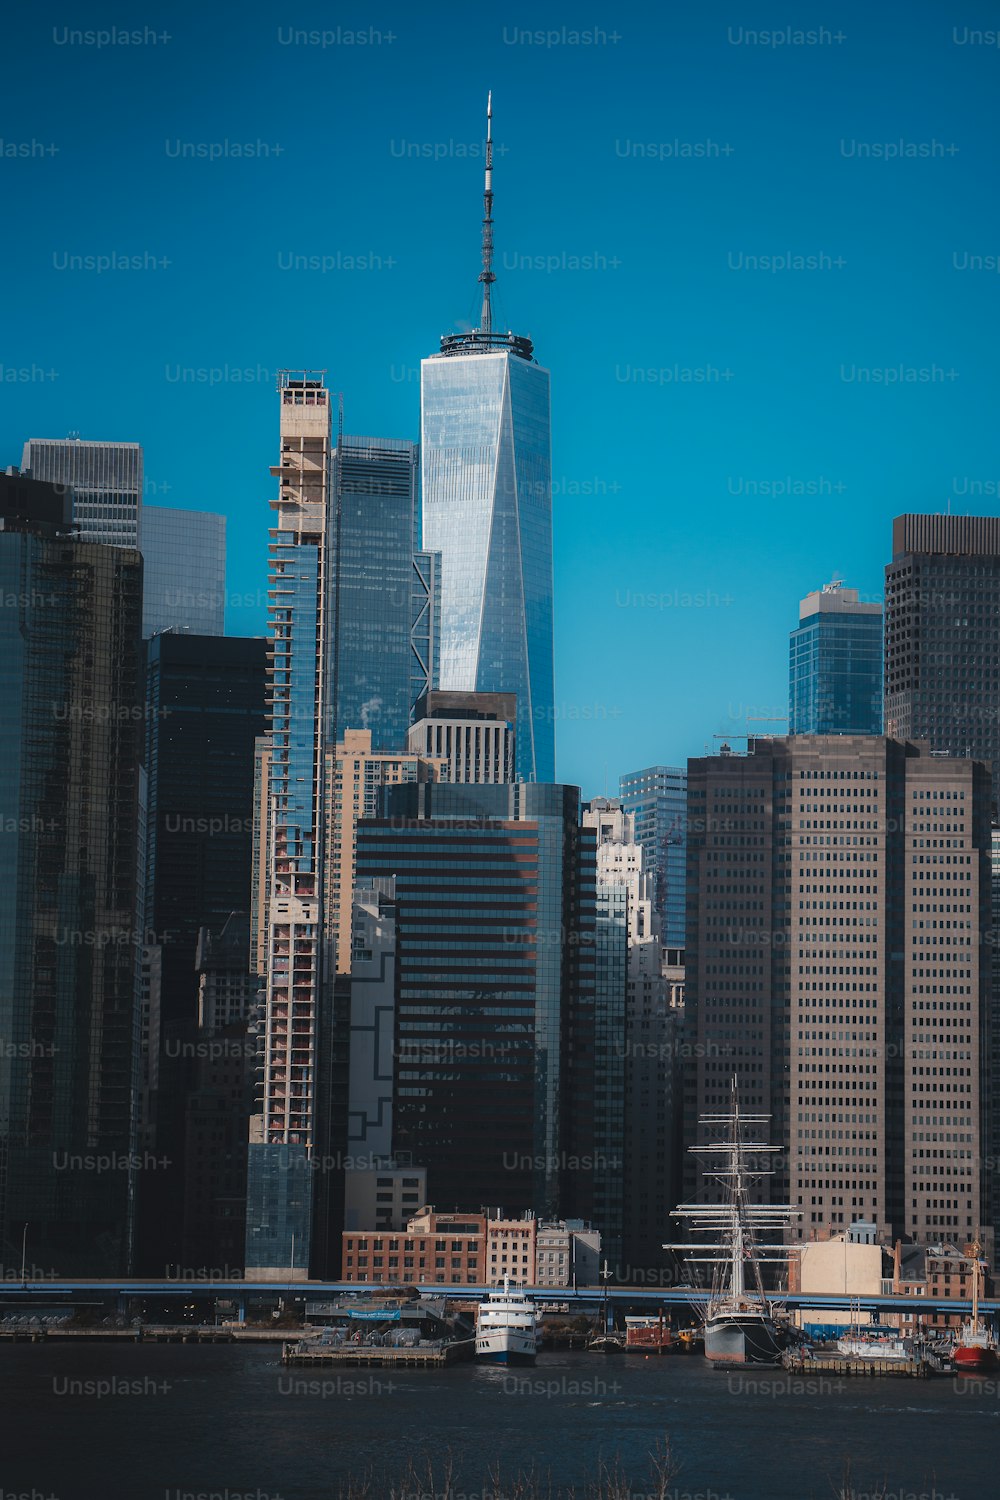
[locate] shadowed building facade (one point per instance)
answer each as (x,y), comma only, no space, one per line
(72,813)
(942,635)
(502,1042)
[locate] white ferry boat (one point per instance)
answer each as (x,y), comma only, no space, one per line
(507,1329)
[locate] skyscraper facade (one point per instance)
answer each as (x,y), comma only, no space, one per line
(942,634)
(71,907)
(184,572)
(835,664)
(500,1045)
(840,887)
(383,611)
(204,709)
(487,506)
(104,479)
(656,798)
(283,1131)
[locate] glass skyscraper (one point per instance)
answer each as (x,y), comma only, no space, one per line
(384,616)
(835,664)
(487,504)
(657,799)
(71,909)
(105,480)
(184,572)
(204,711)
(504,1039)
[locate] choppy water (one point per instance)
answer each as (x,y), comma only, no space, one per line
(206,1420)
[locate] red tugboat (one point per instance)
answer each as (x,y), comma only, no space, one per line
(976,1346)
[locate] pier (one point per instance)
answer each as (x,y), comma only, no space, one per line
(839,1364)
(355,1355)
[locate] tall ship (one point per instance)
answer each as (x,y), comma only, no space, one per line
(975,1345)
(507,1331)
(740,1322)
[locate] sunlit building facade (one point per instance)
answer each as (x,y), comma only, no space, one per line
(835,664)
(487,508)
(105,481)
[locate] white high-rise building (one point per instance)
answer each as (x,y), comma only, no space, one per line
(105,479)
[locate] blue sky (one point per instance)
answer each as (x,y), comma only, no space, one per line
(718,448)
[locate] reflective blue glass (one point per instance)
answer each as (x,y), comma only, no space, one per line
(487,507)
(835,675)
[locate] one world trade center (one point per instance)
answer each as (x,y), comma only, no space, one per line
(487,508)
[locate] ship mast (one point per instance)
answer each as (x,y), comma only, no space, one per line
(975,1284)
(735,1220)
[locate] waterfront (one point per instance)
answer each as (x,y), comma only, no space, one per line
(174,1421)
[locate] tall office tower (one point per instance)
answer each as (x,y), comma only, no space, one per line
(284,1131)
(355,776)
(71,913)
(647,1086)
(184,573)
(383,614)
(205,705)
(105,482)
(942,635)
(840,885)
(656,797)
(487,503)
(835,664)
(500,1049)
(218,1104)
(472,733)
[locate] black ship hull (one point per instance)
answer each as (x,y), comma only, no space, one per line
(742,1338)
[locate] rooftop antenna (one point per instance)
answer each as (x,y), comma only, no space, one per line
(486,275)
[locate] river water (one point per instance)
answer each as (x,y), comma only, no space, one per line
(168,1422)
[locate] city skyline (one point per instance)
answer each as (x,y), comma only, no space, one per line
(767,453)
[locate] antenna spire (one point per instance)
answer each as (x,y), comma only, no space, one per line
(486,275)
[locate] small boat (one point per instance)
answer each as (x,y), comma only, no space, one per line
(507,1331)
(605,1343)
(741,1325)
(975,1344)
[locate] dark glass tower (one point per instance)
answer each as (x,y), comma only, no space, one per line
(503,1036)
(204,708)
(71,911)
(184,573)
(942,634)
(835,665)
(487,505)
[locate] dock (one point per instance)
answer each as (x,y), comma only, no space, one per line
(838,1364)
(432,1357)
(148,1333)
